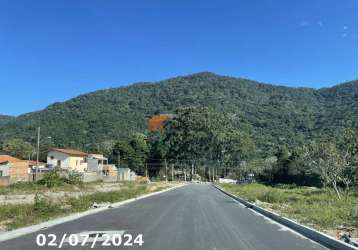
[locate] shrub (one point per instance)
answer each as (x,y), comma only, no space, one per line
(74,178)
(21,185)
(52,179)
(43,206)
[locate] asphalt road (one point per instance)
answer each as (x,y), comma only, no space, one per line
(196,216)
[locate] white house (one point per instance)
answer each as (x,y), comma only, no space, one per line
(69,159)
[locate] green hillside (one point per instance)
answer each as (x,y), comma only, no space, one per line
(5,118)
(273,114)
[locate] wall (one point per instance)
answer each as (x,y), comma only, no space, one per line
(92,164)
(124,174)
(19,171)
(4,181)
(57,156)
(67,162)
(75,163)
(91,176)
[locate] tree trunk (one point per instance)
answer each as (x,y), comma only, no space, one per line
(336,189)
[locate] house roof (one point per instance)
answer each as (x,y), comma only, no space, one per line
(8,158)
(33,163)
(97,156)
(72,152)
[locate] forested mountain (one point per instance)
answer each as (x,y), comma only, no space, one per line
(5,118)
(272,114)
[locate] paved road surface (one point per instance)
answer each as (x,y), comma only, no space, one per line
(196,216)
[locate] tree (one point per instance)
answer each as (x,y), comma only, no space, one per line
(349,147)
(138,142)
(157,151)
(131,153)
(188,134)
(326,158)
(122,154)
(18,148)
(202,136)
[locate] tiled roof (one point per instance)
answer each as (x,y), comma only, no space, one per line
(8,158)
(34,163)
(72,152)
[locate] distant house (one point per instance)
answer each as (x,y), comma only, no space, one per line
(68,159)
(13,170)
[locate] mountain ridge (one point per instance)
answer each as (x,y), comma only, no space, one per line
(273,113)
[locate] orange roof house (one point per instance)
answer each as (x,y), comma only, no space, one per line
(157,122)
(8,158)
(13,169)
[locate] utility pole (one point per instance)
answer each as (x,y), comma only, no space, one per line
(209,175)
(166,170)
(213,174)
(146,170)
(172,172)
(37,152)
(185,175)
(119,158)
(192,171)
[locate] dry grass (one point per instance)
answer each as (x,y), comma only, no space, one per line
(311,206)
(15,216)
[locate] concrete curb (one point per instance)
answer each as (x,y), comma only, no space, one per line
(310,233)
(44,225)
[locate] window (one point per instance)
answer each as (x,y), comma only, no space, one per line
(52,157)
(1,174)
(58,163)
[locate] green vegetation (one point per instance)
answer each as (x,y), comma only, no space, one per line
(43,209)
(311,206)
(131,153)
(221,127)
(18,148)
(274,115)
(5,118)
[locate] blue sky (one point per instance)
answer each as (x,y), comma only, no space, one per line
(54,50)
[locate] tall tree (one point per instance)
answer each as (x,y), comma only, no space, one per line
(330,163)
(203,136)
(18,148)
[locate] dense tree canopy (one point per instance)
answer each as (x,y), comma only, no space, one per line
(273,114)
(18,148)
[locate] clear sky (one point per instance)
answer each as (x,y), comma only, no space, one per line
(54,50)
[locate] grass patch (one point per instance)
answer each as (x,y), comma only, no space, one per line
(311,206)
(43,209)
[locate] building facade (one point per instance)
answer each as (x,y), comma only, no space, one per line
(67,159)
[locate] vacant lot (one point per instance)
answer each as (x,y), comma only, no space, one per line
(46,207)
(311,206)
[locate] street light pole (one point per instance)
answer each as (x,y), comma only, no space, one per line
(166,170)
(172,172)
(38,151)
